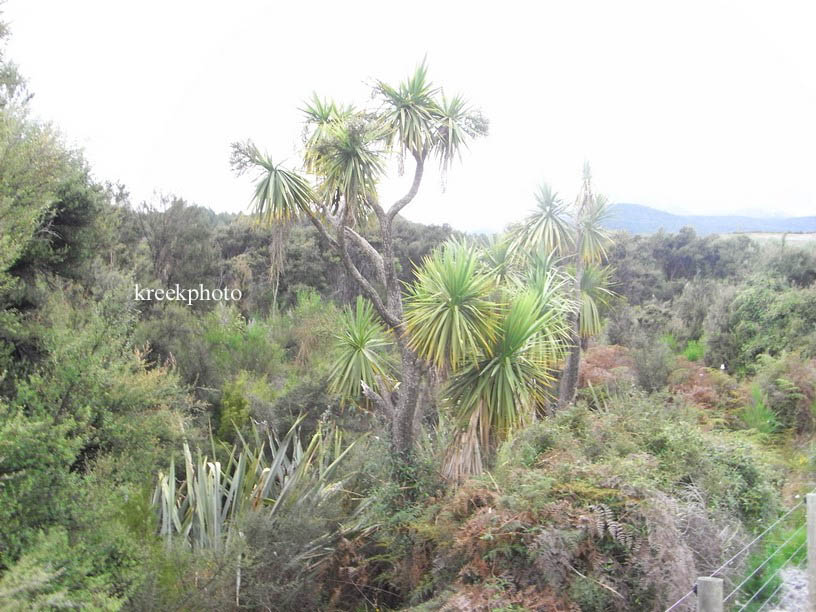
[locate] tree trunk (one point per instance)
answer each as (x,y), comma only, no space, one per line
(569,377)
(401,406)
(405,410)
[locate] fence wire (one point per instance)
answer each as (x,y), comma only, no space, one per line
(767,560)
(772,576)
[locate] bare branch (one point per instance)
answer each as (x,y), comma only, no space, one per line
(374,203)
(406,199)
(339,245)
(368,290)
(372,253)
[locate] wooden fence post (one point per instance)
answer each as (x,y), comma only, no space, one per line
(709,594)
(810,499)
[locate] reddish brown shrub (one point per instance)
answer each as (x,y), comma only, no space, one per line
(606,365)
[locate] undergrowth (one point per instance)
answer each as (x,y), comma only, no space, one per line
(614,508)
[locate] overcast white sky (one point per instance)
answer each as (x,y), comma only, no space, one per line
(703,107)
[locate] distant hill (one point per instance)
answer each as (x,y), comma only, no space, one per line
(639,219)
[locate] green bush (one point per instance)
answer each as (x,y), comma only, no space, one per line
(758,416)
(175,334)
(788,384)
(653,364)
(691,307)
(735,474)
(233,415)
(795,265)
(236,345)
(694,351)
(53,573)
(764,317)
(621,326)
(92,400)
(634,497)
(670,340)
(589,595)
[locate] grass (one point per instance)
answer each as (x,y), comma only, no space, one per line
(669,340)
(694,351)
(757,415)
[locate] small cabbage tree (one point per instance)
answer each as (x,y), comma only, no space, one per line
(577,234)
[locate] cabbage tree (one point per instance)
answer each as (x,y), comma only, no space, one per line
(577,234)
(335,187)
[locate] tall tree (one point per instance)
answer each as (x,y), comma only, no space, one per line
(346,151)
(578,236)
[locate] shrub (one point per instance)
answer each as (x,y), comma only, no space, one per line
(795,265)
(589,595)
(763,317)
(694,350)
(621,326)
(758,416)
(653,363)
(174,334)
(93,400)
(313,322)
(788,384)
(234,411)
(276,574)
(691,307)
(53,573)
(606,366)
(635,498)
(236,345)
(721,346)
(652,318)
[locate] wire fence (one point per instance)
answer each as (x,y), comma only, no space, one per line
(746,595)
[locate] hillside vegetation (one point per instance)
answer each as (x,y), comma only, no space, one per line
(392,416)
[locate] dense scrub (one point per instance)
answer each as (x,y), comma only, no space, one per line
(692,426)
(616,508)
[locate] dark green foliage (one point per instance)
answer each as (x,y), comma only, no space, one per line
(37,455)
(273,566)
(795,265)
(235,344)
(180,239)
(621,325)
(174,334)
(788,385)
(659,266)
(91,396)
(70,232)
(233,415)
(763,317)
(690,309)
(757,415)
(589,595)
